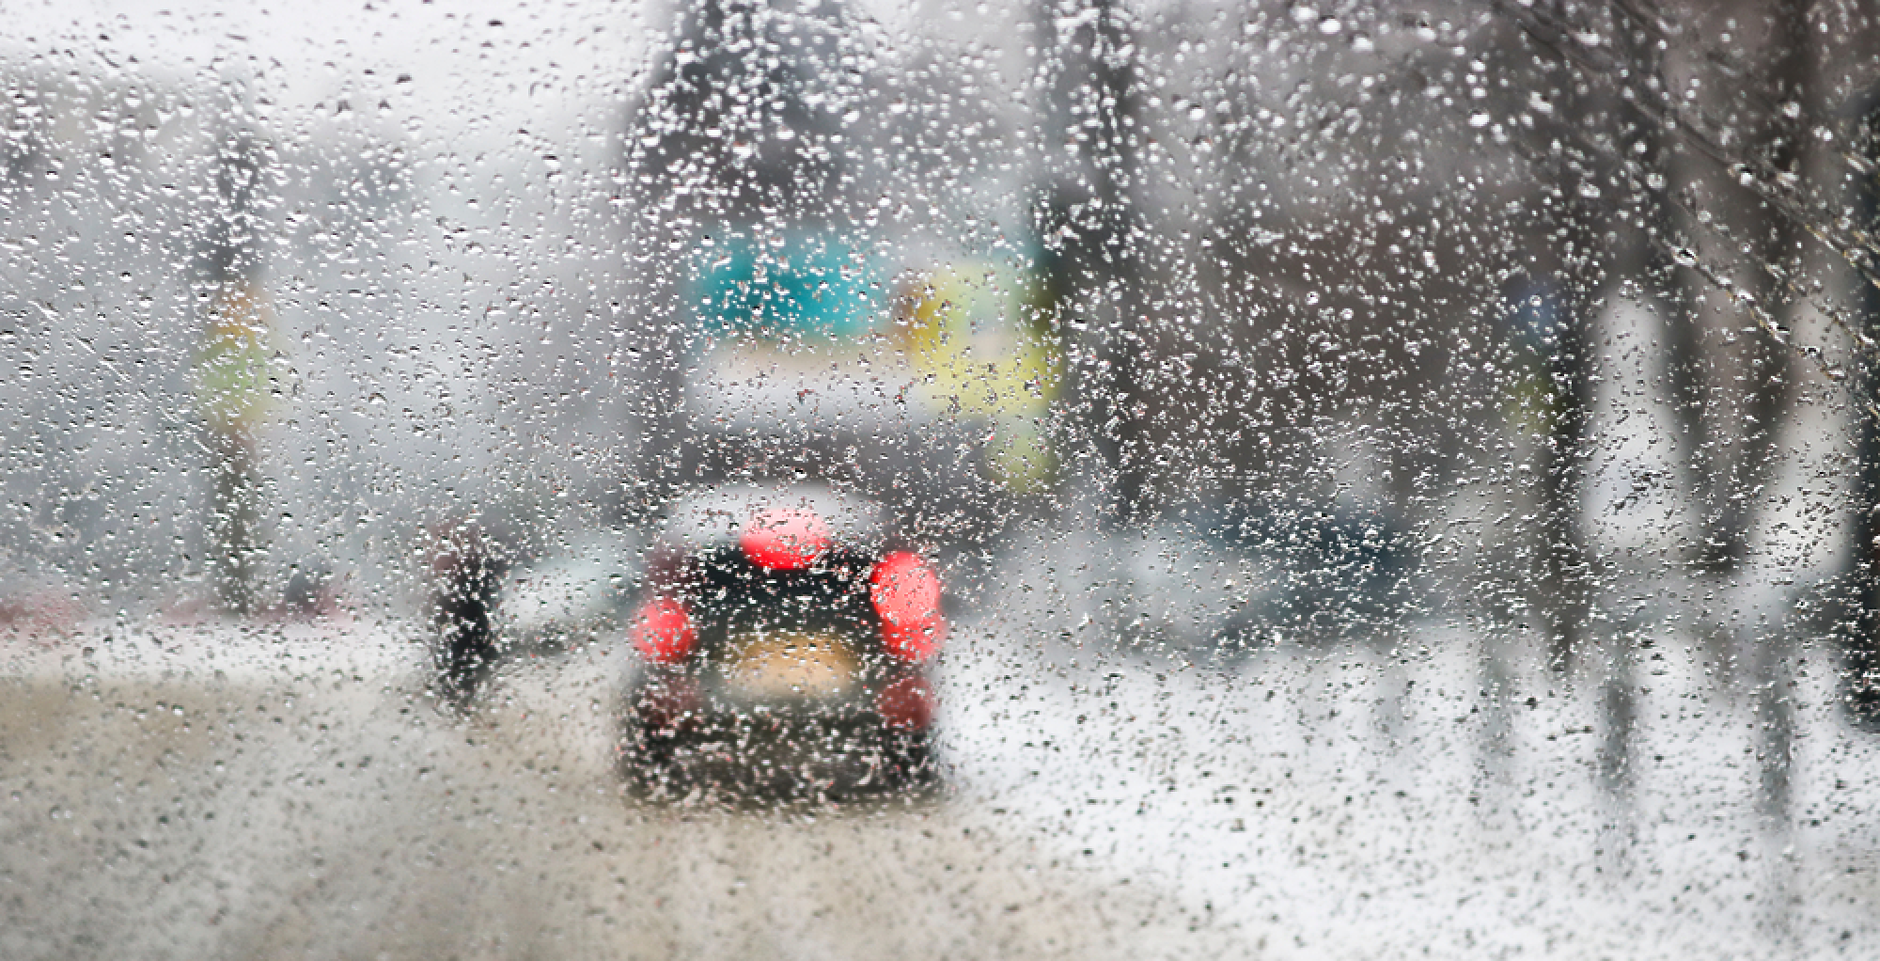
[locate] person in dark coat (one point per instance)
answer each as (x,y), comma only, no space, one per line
(466,575)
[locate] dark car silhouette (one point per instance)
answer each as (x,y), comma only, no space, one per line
(783,658)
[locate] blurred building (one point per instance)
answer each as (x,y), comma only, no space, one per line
(815,336)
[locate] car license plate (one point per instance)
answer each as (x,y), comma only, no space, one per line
(788,665)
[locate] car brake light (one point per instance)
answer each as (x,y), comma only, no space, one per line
(663,631)
(906,593)
(915,643)
(907,704)
(784,539)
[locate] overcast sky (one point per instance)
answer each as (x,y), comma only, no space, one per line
(463,57)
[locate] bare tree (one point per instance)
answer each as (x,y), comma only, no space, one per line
(1861,677)
(1093,229)
(1769,110)
(1779,239)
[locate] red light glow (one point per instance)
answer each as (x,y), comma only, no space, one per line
(663,632)
(906,593)
(785,539)
(907,704)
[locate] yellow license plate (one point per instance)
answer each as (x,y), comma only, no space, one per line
(786,665)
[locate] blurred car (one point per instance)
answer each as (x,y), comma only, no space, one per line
(579,590)
(1167,590)
(1215,582)
(1348,568)
(40,614)
(785,646)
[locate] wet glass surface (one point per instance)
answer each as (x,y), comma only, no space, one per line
(800,478)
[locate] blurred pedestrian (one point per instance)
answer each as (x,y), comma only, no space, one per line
(467,567)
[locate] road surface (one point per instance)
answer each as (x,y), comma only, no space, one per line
(185,793)
(272,792)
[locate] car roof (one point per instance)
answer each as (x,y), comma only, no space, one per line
(712,518)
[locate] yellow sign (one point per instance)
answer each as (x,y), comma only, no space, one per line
(979,334)
(237,381)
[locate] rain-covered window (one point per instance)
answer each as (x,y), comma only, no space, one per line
(859,479)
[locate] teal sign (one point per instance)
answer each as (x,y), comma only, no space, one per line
(804,286)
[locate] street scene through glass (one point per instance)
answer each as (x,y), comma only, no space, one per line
(940,479)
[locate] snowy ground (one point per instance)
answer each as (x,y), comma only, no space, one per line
(183,792)
(1416,799)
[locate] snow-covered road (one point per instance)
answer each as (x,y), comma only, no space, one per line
(205,792)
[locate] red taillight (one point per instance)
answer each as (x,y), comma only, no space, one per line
(663,631)
(915,643)
(785,539)
(907,704)
(906,593)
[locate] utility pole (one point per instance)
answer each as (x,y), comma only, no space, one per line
(236,383)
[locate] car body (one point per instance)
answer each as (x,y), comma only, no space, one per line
(784,645)
(1217,582)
